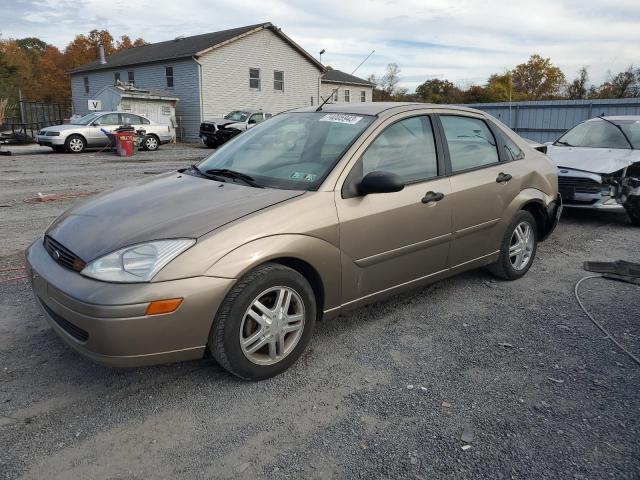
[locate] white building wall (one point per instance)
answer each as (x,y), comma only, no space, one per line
(225,76)
(355,92)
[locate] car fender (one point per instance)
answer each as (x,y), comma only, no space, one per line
(527,198)
(319,254)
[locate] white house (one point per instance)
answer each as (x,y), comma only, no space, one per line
(156,105)
(256,66)
(345,88)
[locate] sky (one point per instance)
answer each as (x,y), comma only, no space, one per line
(463,41)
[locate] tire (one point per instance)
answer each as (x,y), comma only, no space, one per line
(510,266)
(75,144)
(151,143)
(236,321)
(632,207)
(211,144)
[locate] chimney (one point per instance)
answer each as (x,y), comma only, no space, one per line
(102,59)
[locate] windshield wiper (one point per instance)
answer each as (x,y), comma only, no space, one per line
(218,178)
(560,142)
(619,128)
(225,172)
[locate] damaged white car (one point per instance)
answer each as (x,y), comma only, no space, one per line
(599,165)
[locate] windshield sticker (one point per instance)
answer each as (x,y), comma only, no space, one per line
(307,177)
(341,118)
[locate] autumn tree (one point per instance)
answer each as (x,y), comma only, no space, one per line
(625,84)
(577,89)
(538,79)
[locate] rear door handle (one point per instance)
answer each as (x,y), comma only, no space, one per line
(432,197)
(503,177)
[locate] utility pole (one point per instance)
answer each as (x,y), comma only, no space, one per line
(321,73)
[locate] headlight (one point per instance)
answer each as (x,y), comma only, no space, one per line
(53,134)
(136,263)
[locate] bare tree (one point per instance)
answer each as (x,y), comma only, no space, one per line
(577,89)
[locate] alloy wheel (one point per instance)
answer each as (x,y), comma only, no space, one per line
(521,246)
(272,325)
(151,143)
(76,145)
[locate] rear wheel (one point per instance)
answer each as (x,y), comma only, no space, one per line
(264,323)
(75,144)
(518,248)
(632,207)
(211,143)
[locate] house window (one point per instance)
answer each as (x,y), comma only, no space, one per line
(131,77)
(335,95)
(86,85)
(168,72)
(278,80)
(254,78)
(116,77)
(363,96)
(347,96)
(126,107)
(166,110)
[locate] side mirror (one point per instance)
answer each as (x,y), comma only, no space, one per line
(253,121)
(380,182)
(97,123)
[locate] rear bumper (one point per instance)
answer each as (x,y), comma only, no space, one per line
(106,322)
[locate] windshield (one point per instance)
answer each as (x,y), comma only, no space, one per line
(294,151)
(86,120)
(602,134)
(237,116)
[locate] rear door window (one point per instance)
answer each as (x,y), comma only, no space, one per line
(470,141)
(110,119)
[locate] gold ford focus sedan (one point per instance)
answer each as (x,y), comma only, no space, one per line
(308,215)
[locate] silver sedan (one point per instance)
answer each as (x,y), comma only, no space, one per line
(89,131)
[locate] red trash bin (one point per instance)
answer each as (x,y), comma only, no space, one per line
(125,143)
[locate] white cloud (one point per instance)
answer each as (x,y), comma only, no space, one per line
(462,41)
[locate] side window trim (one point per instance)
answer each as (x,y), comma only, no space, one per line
(497,137)
(349,190)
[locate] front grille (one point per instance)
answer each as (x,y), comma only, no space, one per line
(73,330)
(62,255)
(581,185)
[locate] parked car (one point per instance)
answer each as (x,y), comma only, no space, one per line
(216,131)
(599,165)
(311,215)
(86,132)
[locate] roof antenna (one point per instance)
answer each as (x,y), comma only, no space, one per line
(335,90)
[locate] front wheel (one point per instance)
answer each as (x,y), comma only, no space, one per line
(151,143)
(264,323)
(518,248)
(75,144)
(211,143)
(632,207)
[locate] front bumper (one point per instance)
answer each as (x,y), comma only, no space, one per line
(107,323)
(49,141)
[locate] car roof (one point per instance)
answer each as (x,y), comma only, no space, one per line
(617,118)
(383,108)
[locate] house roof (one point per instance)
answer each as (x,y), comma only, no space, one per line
(184,47)
(336,76)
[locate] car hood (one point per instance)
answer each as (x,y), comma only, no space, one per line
(597,160)
(173,205)
(61,128)
(223,122)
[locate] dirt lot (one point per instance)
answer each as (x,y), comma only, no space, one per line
(385,392)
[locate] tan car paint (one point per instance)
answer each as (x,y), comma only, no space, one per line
(363,249)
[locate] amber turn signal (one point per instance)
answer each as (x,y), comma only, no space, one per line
(163,306)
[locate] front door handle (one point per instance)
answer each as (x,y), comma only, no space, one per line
(432,197)
(503,177)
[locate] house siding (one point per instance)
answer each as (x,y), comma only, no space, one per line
(225,71)
(354,90)
(186,88)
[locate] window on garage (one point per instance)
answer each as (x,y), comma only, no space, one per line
(471,143)
(116,77)
(86,85)
(363,96)
(168,73)
(335,95)
(278,80)
(254,78)
(131,77)
(347,95)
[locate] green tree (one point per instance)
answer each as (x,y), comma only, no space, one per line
(538,79)
(439,91)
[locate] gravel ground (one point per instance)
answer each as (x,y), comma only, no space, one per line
(393,390)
